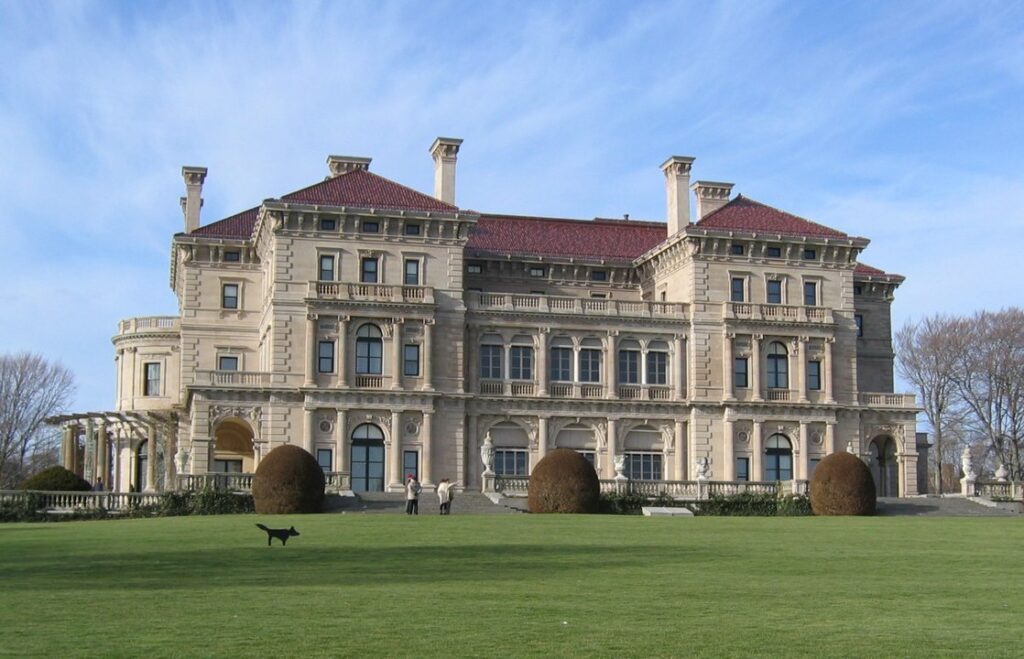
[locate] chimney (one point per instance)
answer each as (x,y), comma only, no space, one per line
(444,150)
(193,199)
(711,195)
(338,165)
(677,189)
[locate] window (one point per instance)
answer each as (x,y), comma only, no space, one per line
(412,229)
(411,360)
(737,289)
(326,267)
(599,296)
(810,293)
(561,364)
(657,368)
(412,272)
(537,293)
(520,363)
(859,320)
(229,296)
(739,373)
(774,291)
(778,459)
(643,466)
(232,256)
(814,375)
(151,386)
(778,366)
(371,227)
(810,255)
(369,348)
(736,249)
(325,357)
(856,289)
(598,275)
(227,466)
(474,268)
(510,462)
(591,456)
(629,366)
(490,362)
(538,271)
(368,275)
(411,463)
(773,252)
(328,224)
(743,469)
(590,365)
(227,363)
(324,459)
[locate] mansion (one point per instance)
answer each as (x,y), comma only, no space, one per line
(390,332)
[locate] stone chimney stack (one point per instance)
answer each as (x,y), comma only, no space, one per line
(677,189)
(445,150)
(193,199)
(338,165)
(711,195)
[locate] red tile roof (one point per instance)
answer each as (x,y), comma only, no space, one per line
(365,190)
(865,270)
(236,226)
(745,214)
(614,240)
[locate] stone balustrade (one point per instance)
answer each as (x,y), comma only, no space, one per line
(777,313)
(902,401)
(346,292)
(551,304)
(71,501)
(517,486)
(335,481)
(236,378)
(998,490)
(169,324)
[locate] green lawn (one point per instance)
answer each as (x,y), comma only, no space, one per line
(514,585)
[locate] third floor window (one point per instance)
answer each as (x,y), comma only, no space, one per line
(369,273)
(326,267)
(590,365)
(810,293)
(412,272)
(629,366)
(736,293)
(774,291)
(561,364)
(657,367)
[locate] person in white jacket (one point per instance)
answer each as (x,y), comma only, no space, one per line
(444,495)
(412,495)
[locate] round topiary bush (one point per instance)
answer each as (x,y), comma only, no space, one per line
(564,482)
(842,485)
(57,479)
(288,481)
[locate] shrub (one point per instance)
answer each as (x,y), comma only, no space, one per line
(564,482)
(288,481)
(56,479)
(842,485)
(748,504)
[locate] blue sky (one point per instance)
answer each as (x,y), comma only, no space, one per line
(898,121)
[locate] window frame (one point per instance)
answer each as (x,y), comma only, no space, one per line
(814,375)
(743,468)
(412,229)
(781,295)
(599,275)
(559,362)
(320,270)
(741,378)
(232,256)
(737,249)
(773,252)
(224,297)
(330,459)
(325,362)
(657,367)
(858,320)
(520,362)
(417,274)
(651,465)
(586,373)
(739,295)
(777,366)
(220,362)
(411,360)
(369,226)
(519,459)
(811,287)
(492,361)
(364,272)
(473,268)
(328,224)
(147,381)
(810,254)
(366,343)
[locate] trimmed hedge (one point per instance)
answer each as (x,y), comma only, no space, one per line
(288,481)
(842,485)
(747,504)
(564,482)
(56,479)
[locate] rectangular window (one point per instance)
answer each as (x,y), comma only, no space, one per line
(810,293)
(371,227)
(229,296)
(743,469)
(591,456)
(590,365)
(536,271)
(737,289)
(326,267)
(368,275)
(411,360)
(232,256)
(411,463)
(773,252)
(328,224)
(859,319)
(739,373)
(774,291)
(520,365)
(598,275)
(490,362)
(856,289)
(227,363)
(474,268)
(643,466)
(324,459)
(599,296)
(810,255)
(412,272)
(629,367)
(325,357)
(151,387)
(537,293)
(227,466)
(561,364)
(814,375)
(736,249)
(657,368)
(510,462)
(412,229)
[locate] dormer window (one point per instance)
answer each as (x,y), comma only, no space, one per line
(328,224)
(371,227)
(232,256)
(598,275)
(412,229)
(736,249)
(810,254)
(773,252)
(538,271)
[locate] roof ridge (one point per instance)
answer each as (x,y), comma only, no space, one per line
(364,172)
(575,220)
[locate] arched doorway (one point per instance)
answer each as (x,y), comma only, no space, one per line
(883,466)
(233,450)
(367,461)
(778,458)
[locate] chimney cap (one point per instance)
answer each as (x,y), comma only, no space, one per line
(338,165)
(445,146)
(680,163)
(711,189)
(193,175)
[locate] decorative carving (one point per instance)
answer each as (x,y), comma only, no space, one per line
(817,438)
(250,414)
(487,455)
(412,429)
(743,437)
(703,469)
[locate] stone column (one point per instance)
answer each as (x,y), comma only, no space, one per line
(801,468)
(427,477)
(343,322)
(680,440)
(757,453)
(827,366)
(102,455)
(151,458)
(396,353)
(341,450)
(307,431)
(830,437)
(801,366)
(755,365)
(68,447)
(89,452)
(396,477)
(727,366)
(170,450)
(427,355)
(472,349)
(729,450)
(472,465)
(542,437)
(609,365)
(542,362)
(311,349)
(608,468)
(677,367)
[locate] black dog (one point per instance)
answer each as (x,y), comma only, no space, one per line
(280,534)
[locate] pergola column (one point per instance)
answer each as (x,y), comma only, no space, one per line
(67,448)
(151,457)
(102,452)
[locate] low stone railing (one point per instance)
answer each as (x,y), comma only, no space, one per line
(359,292)
(70,501)
(998,490)
(698,490)
(776,312)
(234,378)
(873,399)
(149,324)
(549,304)
(336,481)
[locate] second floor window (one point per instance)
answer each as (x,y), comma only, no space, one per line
(629,366)
(412,272)
(229,296)
(814,375)
(739,373)
(590,365)
(369,350)
(490,362)
(657,368)
(368,272)
(810,293)
(326,268)
(736,293)
(227,363)
(774,291)
(325,357)
(151,386)
(520,365)
(561,364)
(411,360)
(778,366)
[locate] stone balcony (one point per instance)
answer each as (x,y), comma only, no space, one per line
(551,304)
(775,313)
(887,400)
(149,325)
(246,379)
(345,292)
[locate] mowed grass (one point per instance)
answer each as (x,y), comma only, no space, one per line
(513,585)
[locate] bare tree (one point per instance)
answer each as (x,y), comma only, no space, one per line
(31,389)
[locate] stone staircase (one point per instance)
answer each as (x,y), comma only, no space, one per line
(934,506)
(464,503)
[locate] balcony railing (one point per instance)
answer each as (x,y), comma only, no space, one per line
(643,392)
(776,313)
(334,290)
(149,324)
(903,401)
(517,486)
(779,394)
(235,378)
(550,304)
(370,381)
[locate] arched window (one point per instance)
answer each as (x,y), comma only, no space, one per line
(778,459)
(778,366)
(369,350)
(367,458)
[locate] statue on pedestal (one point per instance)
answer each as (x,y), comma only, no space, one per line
(967,464)
(1002,473)
(703,469)
(620,467)
(182,460)
(487,455)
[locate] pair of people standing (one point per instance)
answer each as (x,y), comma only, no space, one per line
(412,495)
